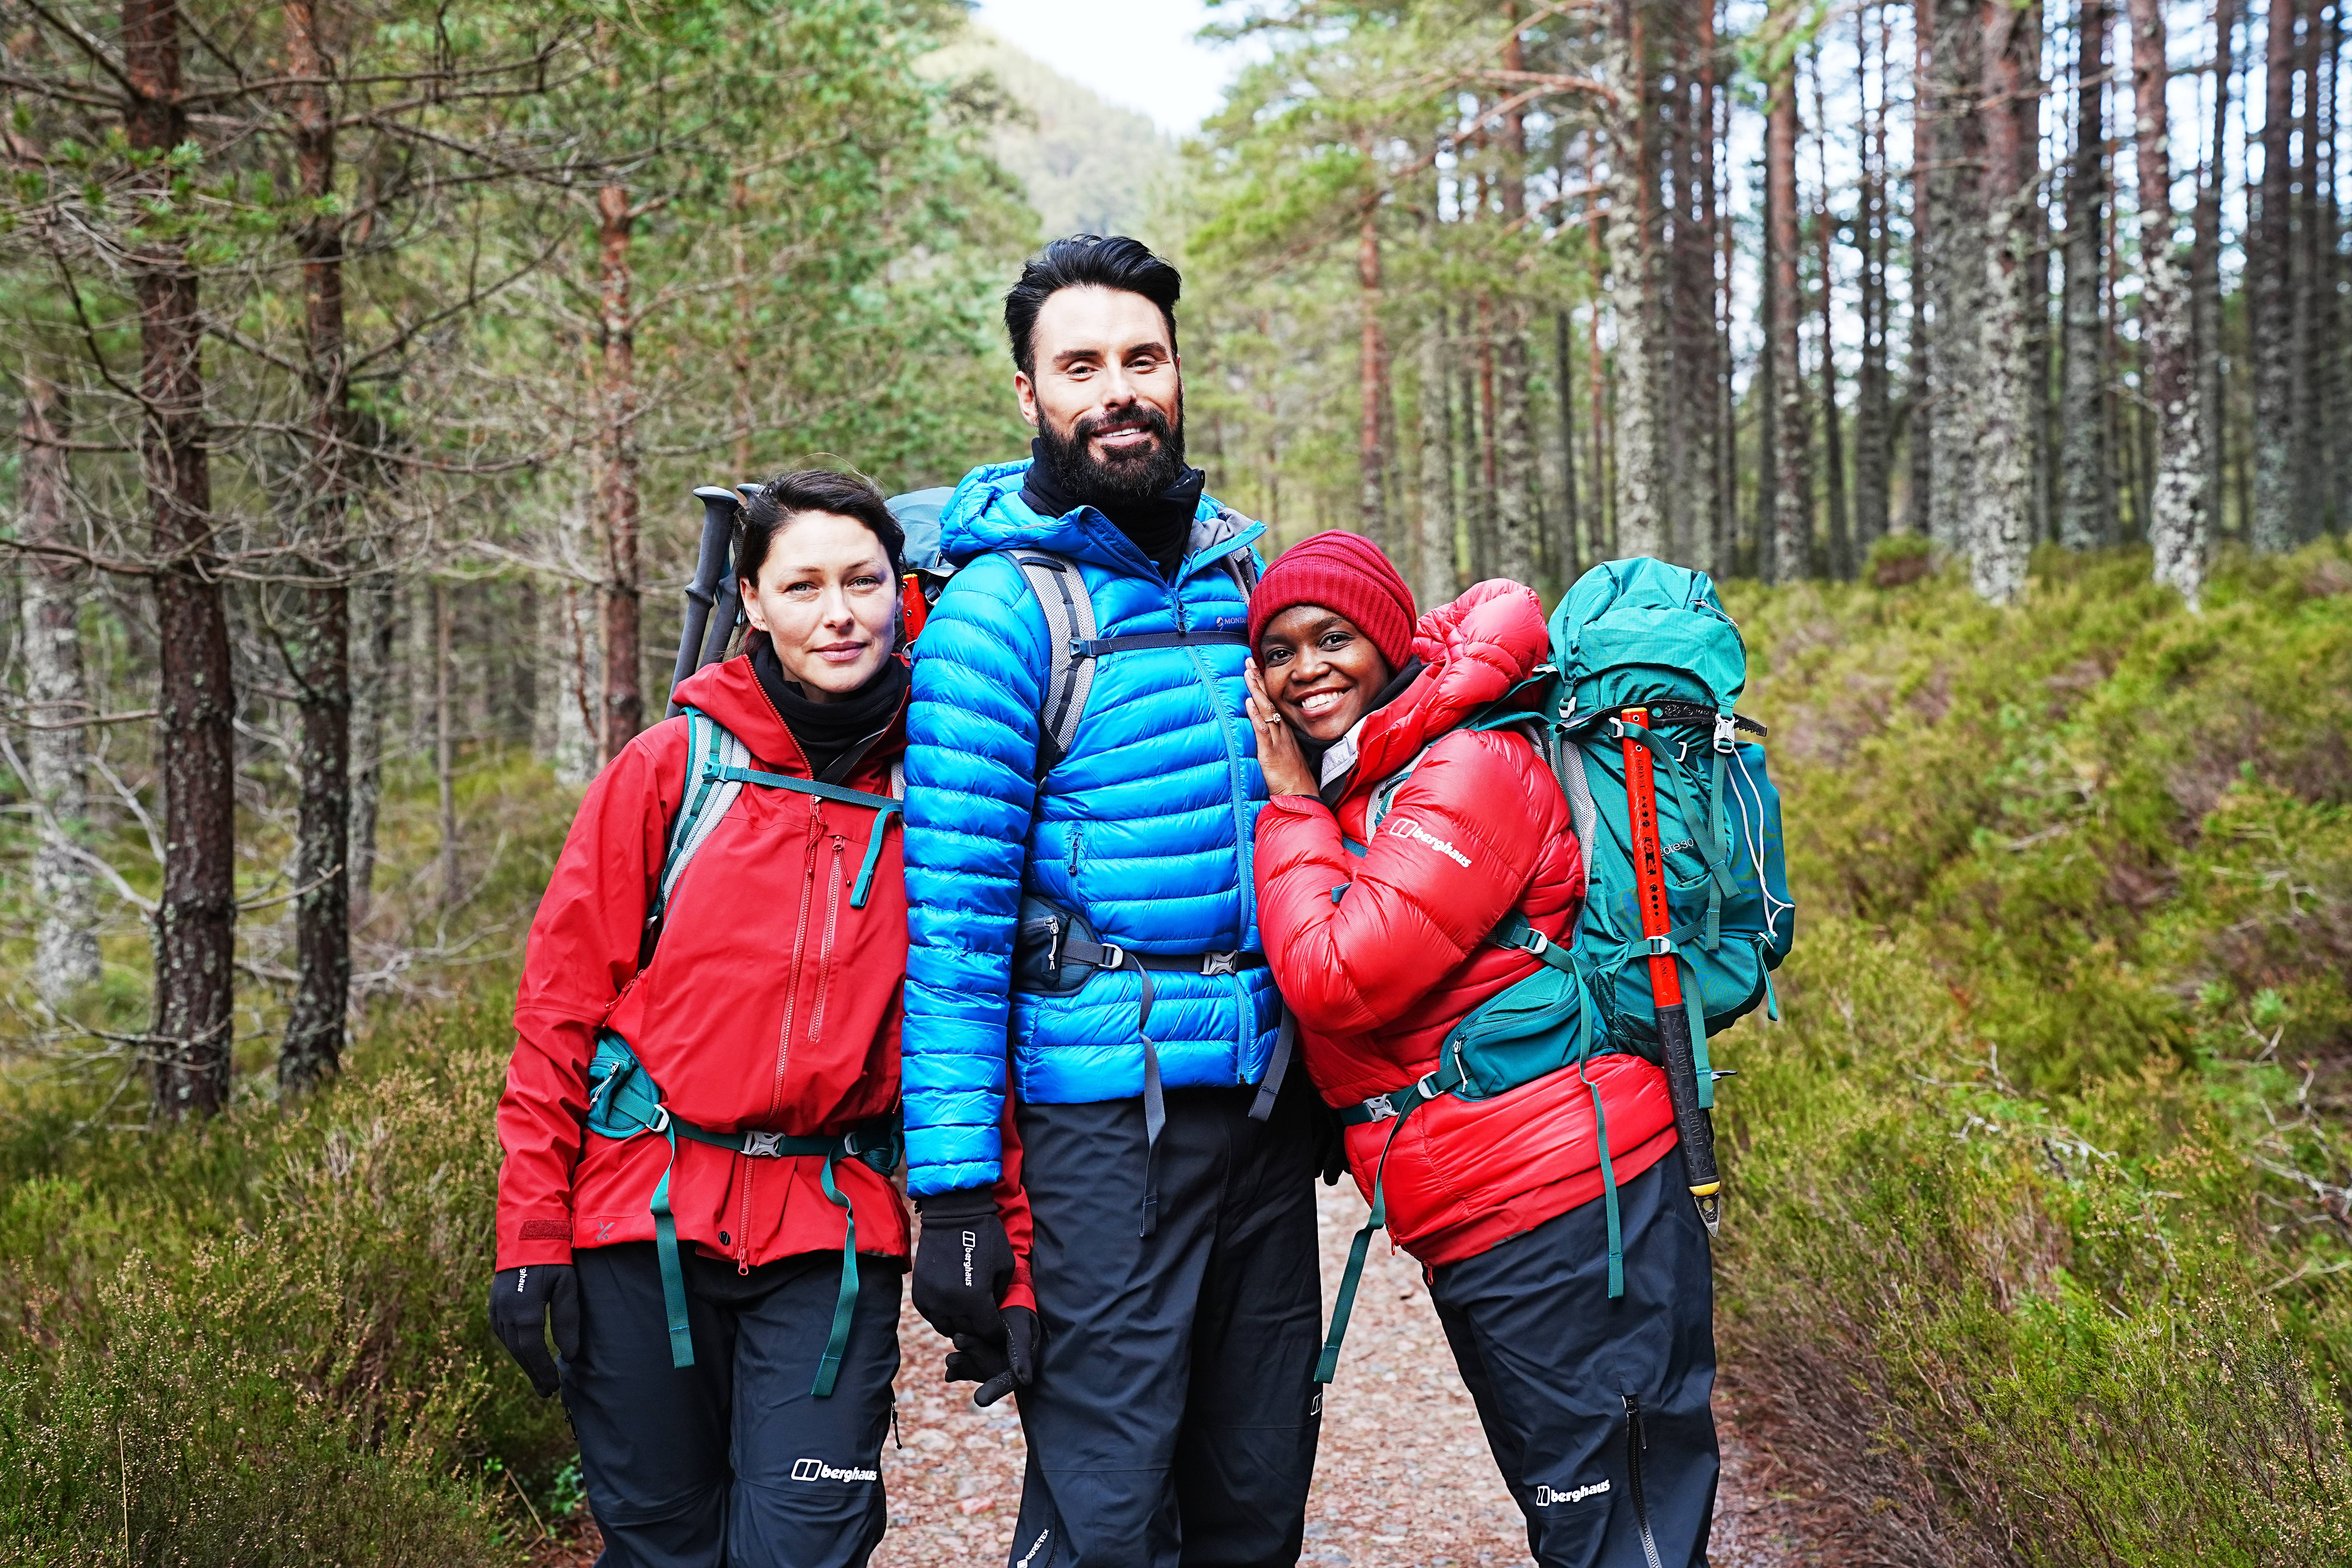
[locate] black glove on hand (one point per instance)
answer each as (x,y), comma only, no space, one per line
(524,1304)
(963,1265)
(1330,1135)
(999,1366)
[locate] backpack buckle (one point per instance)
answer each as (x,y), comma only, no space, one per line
(1658,946)
(1724,732)
(1380,1108)
(1537,943)
(761,1145)
(1227,963)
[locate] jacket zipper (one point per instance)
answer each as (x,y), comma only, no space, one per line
(1241,846)
(1635,1441)
(783,1039)
(824,948)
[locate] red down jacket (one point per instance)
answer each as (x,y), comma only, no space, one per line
(769,1004)
(1378,973)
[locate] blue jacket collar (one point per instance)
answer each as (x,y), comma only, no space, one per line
(986,512)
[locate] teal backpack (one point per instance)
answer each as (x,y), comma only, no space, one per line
(1633,712)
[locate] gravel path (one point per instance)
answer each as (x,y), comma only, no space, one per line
(1402,1478)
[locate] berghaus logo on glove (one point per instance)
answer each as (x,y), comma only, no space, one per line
(971,1240)
(1406,827)
(818,1471)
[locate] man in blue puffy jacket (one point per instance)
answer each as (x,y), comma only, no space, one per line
(1083,931)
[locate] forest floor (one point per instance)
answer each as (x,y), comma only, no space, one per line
(1402,1479)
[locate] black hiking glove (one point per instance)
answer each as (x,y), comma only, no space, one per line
(963,1265)
(525,1303)
(999,1366)
(1330,1135)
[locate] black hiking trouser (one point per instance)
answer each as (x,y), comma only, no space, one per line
(1174,1414)
(1597,1410)
(731,1462)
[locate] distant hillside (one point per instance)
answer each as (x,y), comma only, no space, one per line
(1089,165)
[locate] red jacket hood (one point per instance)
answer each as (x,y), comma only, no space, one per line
(730,692)
(1476,648)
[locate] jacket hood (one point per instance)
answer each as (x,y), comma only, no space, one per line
(730,692)
(1476,649)
(986,514)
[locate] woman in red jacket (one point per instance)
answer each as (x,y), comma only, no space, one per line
(1375,922)
(699,1118)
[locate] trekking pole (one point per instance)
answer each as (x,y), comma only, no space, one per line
(1693,1126)
(712,585)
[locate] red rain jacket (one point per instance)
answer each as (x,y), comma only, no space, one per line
(769,1004)
(1379,974)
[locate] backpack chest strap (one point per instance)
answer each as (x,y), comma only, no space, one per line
(883,806)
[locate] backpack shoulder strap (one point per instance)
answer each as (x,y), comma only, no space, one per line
(1061,591)
(711,751)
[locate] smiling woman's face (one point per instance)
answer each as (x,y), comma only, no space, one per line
(1319,670)
(826,599)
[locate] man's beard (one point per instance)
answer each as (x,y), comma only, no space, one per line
(1124,480)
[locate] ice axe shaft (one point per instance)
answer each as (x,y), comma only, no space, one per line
(1692,1125)
(704,636)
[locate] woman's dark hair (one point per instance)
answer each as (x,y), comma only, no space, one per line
(1080,261)
(796,491)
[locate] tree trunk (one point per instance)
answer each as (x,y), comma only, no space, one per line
(64,947)
(1871,424)
(2335,375)
(1517,527)
(1959,265)
(1478,434)
(1571,530)
(2205,267)
(375,625)
(2270,288)
(2314,265)
(1431,562)
(1764,391)
(1723,432)
(1636,282)
(2037,214)
(2001,530)
(1792,510)
(2174,527)
(1373,355)
(1841,541)
(1921,515)
(2086,494)
(445,753)
(196,920)
(319,650)
(616,486)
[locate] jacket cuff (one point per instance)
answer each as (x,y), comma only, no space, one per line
(525,1241)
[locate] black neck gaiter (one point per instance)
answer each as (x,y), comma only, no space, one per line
(829,731)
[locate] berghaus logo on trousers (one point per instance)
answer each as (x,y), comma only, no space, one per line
(818,1471)
(1546,1496)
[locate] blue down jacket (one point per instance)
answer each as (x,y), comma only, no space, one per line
(1146,829)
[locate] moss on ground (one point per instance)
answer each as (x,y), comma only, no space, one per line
(2037,1251)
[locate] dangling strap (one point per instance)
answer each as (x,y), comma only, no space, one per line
(1269,1088)
(845,1304)
(673,1274)
(1392,1108)
(1608,1164)
(1155,1110)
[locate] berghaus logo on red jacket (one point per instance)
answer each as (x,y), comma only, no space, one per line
(1407,827)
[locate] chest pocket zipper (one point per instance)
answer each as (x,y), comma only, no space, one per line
(832,924)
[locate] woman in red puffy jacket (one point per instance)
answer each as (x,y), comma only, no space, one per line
(1376,924)
(719,1256)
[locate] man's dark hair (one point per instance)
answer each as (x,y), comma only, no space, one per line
(1080,261)
(797,490)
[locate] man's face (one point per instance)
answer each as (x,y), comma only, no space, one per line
(1107,395)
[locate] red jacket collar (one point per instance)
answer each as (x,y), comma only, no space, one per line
(730,692)
(1476,648)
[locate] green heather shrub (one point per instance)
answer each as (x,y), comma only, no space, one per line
(262,1342)
(2037,1250)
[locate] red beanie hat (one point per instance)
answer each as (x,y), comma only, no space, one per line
(1344,572)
